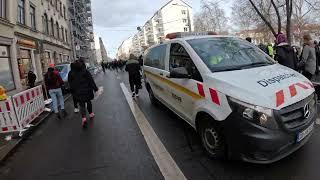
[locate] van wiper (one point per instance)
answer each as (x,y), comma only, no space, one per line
(227,69)
(255,64)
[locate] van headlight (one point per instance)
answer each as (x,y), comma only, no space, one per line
(259,115)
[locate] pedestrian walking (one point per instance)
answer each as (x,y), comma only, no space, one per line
(31,79)
(103,67)
(83,86)
(54,83)
(285,54)
(133,68)
(308,57)
(71,76)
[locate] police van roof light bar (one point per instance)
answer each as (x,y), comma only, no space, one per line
(186,34)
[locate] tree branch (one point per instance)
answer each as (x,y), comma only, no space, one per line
(278,15)
(263,18)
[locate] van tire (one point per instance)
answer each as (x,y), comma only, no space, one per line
(212,138)
(152,98)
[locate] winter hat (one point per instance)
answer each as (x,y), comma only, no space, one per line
(51,65)
(281,38)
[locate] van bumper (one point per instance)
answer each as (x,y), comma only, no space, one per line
(252,143)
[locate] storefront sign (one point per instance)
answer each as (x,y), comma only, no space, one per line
(27,43)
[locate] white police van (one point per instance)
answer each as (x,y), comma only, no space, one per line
(241,102)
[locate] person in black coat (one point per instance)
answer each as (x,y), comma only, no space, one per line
(31,79)
(133,67)
(83,87)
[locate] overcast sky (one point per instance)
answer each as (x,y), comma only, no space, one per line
(117,20)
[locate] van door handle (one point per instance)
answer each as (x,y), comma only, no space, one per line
(161,74)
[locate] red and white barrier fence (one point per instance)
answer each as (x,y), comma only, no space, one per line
(21,109)
(8,118)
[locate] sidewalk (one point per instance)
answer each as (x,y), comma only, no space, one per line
(8,146)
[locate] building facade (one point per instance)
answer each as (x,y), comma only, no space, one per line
(82,30)
(33,33)
(175,16)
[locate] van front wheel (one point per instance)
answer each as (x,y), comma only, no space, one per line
(212,139)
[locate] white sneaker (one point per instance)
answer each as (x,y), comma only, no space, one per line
(137,95)
(76,110)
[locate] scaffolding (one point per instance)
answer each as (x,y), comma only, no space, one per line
(82,30)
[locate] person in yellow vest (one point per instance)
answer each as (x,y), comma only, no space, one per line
(3,95)
(270,50)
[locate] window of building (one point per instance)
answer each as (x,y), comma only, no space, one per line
(156,57)
(179,57)
(185,29)
(52,27)
(60,7)
(66,33)
(184,20)
(3,9)
(6,77)
(21,19)
(32,17)
(45,24)
(62,33)
(64,12)
(183,11)
(58,30)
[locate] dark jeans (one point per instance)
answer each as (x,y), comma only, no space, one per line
(75,102)
(307,75)
(83,108)
(134,84)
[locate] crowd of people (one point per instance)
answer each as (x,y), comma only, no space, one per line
(82,88)
(305,60)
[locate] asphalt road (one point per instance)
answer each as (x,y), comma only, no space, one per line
(114,148)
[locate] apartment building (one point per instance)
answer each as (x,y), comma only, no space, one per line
(33,33)
(124,49)
(175,16)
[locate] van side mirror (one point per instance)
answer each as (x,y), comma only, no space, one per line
(179,73)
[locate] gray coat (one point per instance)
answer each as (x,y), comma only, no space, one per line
(309,57)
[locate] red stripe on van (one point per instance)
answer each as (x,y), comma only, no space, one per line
(201,90)
(280,98)
(214,96)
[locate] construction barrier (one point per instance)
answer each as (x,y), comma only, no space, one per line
(28,105)
(18,111)
(8,118)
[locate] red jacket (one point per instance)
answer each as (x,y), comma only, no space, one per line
(53,82)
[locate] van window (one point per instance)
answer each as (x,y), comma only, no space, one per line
(229,53)
(179,57)
(156,57)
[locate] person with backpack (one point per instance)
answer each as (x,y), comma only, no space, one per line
(83,88)
(285,54)
(133,68)
(308,57)
(54,83)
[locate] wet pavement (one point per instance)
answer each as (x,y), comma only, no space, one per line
(113,147)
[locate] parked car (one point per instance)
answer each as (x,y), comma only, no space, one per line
(93,70)
(64,70)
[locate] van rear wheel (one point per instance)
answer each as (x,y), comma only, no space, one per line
(152,98)
(212,139)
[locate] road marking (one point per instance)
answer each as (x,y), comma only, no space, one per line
(165,162)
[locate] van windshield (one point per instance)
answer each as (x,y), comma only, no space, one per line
(229,53)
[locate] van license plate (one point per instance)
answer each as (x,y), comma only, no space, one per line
(305,133)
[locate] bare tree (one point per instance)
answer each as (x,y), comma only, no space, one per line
(211,17)
(275,13)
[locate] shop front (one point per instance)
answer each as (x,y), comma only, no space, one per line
(26,60)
